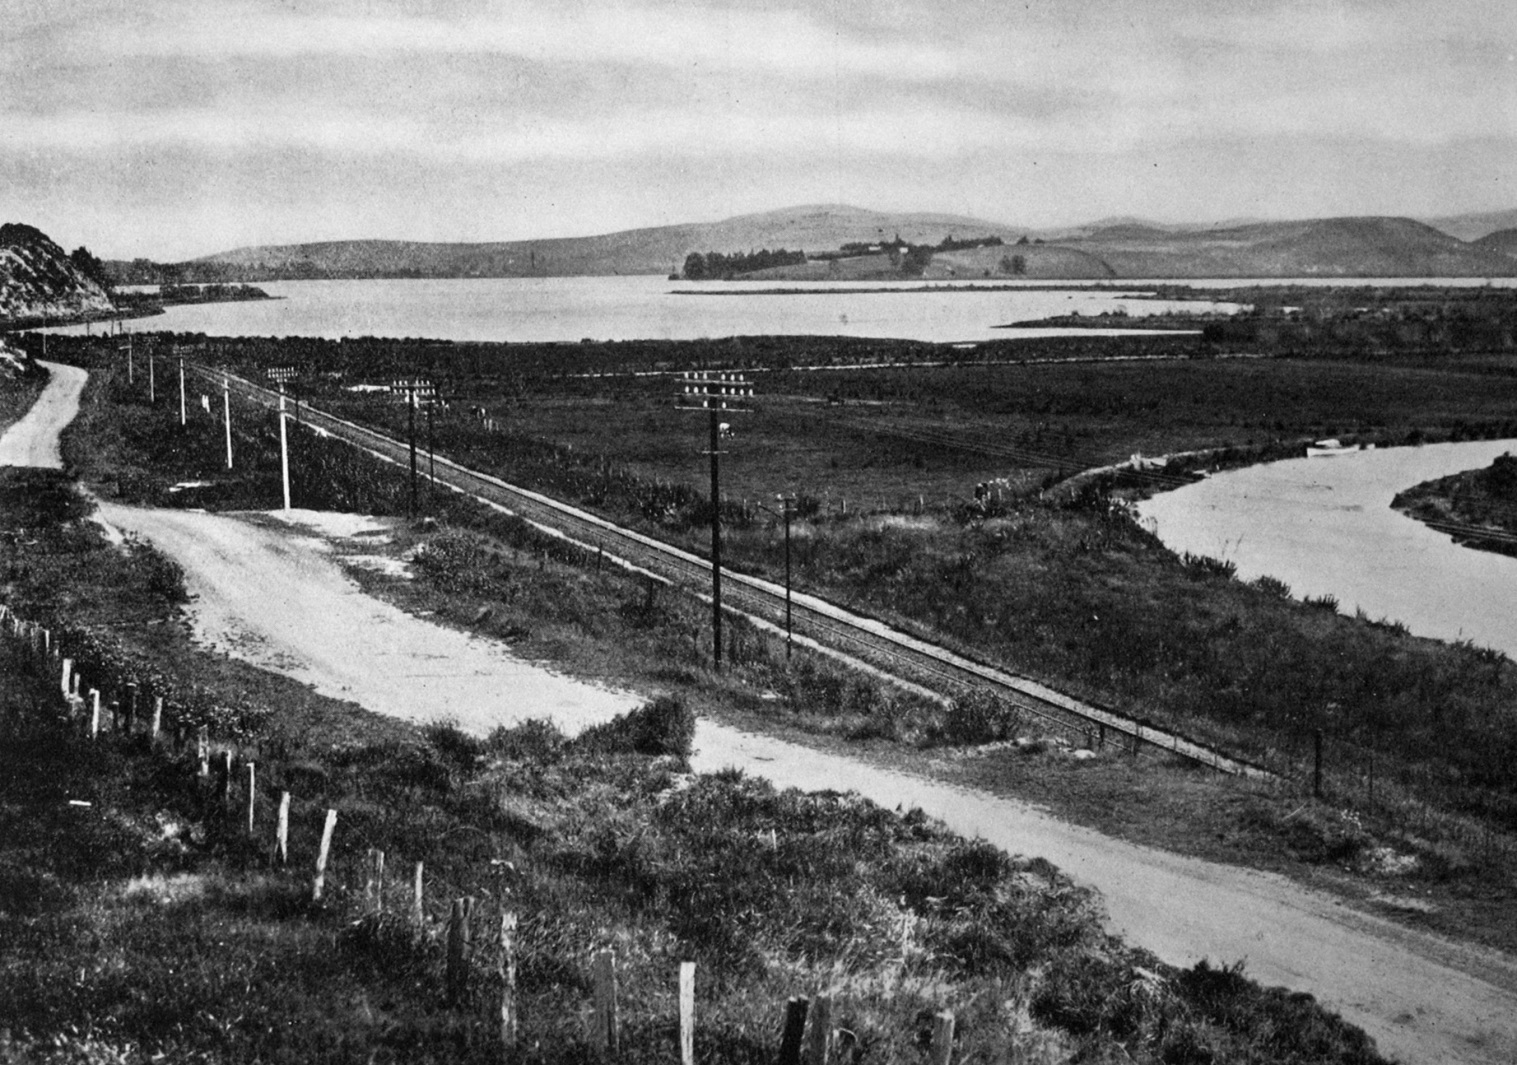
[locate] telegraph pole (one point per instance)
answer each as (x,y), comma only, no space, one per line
(284,450)
(716,393)
(787,502)
(411,417)
(182,419)
(226,417)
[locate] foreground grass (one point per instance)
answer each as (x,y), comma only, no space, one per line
(140,923)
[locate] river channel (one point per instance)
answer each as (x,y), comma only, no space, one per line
(1325,526)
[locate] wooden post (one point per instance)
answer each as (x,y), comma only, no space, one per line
(942,1039)
(508,1023)
(203,750)
(418,913)
(94,712)
(607,1036)
(458,941)
(374,882)
(819,1033)
(282,830)
(795,1027)
(68,669)
(252,792)
(225,773)
(157,719)
(321,856)
(687,1013)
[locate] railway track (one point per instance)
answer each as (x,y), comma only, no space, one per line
(815,621)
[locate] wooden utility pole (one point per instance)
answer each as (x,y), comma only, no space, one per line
(716,393)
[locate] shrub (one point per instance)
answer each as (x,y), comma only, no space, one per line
(1273,586)
(665,726)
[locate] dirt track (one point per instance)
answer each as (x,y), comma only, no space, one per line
(33,441)
(279,599)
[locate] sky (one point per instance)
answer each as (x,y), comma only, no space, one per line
(177,128)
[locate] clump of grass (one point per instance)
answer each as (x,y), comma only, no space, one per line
(665,726)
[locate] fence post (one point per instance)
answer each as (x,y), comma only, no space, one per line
(225,773)
(67,670)
(687,1013)
(252,794)
(94,712)
(508,983)
(795,1027)
(374,882)
(942,1038)
(418,914)
(458,942)
(322,854)
(819,1034)
(203,750)
(282,830)
(606,1035)
(157,720)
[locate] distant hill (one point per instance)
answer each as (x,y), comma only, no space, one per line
(1475,225)
(1326,247)
(38,282)
(1120,247)
(1503,242)
(657,250)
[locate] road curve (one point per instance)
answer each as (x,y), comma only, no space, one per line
(1423,998)
(33,441)
(850,633)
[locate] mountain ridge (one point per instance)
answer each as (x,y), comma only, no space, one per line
(1124,247)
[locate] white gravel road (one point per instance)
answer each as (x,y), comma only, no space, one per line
(33,441)
(279,598)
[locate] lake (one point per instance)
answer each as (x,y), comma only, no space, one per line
(1325,526)
(636,308)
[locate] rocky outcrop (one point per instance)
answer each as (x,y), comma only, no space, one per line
(39,283)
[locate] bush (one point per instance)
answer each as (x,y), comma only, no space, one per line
(666,726)
(1273,586)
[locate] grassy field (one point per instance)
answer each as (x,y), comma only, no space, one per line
(146,925)
(1417,734)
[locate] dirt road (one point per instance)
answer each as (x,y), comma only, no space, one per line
(33,441)
(270,592)
(279,598)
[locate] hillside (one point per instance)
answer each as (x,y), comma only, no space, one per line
(1327,247)
(656,250)
(1475,225)
(38,282)
(1129,247)
(1502,242)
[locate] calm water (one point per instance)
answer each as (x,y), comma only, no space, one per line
(631,308)
(1325,526)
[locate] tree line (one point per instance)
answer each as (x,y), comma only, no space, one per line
(715,265)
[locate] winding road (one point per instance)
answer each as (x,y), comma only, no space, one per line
(1423,998)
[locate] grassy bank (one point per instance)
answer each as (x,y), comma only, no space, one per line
(140,921)
(1479,507)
